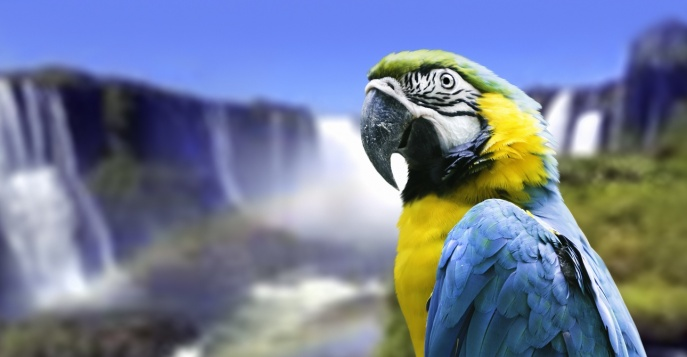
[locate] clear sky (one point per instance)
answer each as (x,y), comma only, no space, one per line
(317,52)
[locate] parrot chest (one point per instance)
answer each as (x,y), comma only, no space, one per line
(423,228)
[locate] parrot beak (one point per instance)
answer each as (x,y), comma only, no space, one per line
(383,126)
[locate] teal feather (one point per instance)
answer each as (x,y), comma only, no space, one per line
(518,299)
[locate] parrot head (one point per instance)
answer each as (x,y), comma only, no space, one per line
(457,124)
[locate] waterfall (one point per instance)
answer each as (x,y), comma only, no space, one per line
(44,206)
(558,117)
(278,209)
(337,141)
(276,155)
(587,134)
(221,147)
(344,199)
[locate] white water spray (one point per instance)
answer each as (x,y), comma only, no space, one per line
(188,351)
(277,140)
(277,209)
(558,117)
(345,198)
(223,154)
(44,206)
(284,318)
(587,134)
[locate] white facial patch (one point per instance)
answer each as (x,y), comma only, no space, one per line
(455,131)
(440,96)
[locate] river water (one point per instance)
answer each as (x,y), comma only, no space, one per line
(314,316)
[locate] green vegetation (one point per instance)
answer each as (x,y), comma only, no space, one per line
(632,211)
(116,176)
(118,109)
(396,335)
(58,77)
(118,173)
(20,340)
(672,141)
(130,334)
(222,241)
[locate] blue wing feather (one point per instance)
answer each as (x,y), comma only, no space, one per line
(550,208)
(507,285)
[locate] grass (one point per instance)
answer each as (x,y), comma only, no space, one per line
(634,219)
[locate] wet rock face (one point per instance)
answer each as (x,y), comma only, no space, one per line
(153,158)
(637,107)
(656,79)
(543,95)
(134,334)
(662,46)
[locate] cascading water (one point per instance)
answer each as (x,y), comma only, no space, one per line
(277,209)
(344,198)
(44,207)
(92,218)
(277,139)
(587,134)
(558,117)
(223,154)
(285,319)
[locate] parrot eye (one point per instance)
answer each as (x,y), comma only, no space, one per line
(447,81)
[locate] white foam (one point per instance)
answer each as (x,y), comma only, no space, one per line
(587,135)
(43,203)
(558,117)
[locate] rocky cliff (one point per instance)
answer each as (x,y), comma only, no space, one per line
(154,157)
(94,168)
(634,109)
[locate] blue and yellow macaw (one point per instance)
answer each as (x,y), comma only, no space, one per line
(490,261)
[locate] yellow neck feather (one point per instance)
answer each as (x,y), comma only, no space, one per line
(423,227)
(517,149)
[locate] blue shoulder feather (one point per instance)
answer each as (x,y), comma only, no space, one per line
(507,285)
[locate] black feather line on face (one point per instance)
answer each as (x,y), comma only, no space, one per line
(430,171)
(466,160)
(422,151)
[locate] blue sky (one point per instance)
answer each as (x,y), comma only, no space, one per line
(317,52)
